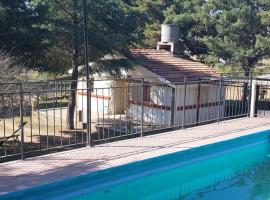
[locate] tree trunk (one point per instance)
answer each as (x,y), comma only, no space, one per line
(73,91)
(75,72)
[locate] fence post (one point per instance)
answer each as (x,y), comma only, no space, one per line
(142,107)
(250,91)
(21,121)
(88,108)
(220,97)
(173,107)
(253,99)
(184,104)
(257,99)
(198,102)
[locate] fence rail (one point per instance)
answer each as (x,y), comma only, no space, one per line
(37,116)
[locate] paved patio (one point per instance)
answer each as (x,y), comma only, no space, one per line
(20,174)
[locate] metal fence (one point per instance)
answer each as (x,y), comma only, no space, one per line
(36,117)
(261,90)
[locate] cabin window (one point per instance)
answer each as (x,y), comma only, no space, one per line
(135,93)
(147,93)
(80,116)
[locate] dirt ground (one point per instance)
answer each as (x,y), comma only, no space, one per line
(39,123)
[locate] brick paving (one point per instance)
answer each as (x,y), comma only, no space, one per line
(23,174)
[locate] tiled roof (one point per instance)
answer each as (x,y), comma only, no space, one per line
(169,67)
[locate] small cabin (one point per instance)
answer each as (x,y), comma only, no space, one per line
(156,89)
(163,89)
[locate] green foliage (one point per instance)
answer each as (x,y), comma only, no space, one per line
(150,14)
(194,24)
(151,34)
(21,33)
(242,37)
(112,66)
(111,30)
(48,34)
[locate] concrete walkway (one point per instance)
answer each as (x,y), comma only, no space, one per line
(20,174)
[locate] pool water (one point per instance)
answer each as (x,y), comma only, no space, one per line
(243,174)
(234,169)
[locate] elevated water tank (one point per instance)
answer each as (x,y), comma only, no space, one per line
(170,33)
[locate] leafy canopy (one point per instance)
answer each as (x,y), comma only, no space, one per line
(21,31)
(242,35)
(111,30)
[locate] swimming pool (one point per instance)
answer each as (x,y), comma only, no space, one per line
(234,169)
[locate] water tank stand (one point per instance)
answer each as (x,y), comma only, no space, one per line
(169,46)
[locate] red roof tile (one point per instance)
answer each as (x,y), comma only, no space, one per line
(171,68)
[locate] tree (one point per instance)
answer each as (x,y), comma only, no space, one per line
(110,32)
(151,17)
(21,33)
(195,23)
(10,71)
(242,34)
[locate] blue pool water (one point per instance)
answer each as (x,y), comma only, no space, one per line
(234,169)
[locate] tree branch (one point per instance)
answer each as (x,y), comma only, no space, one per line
(63,8)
